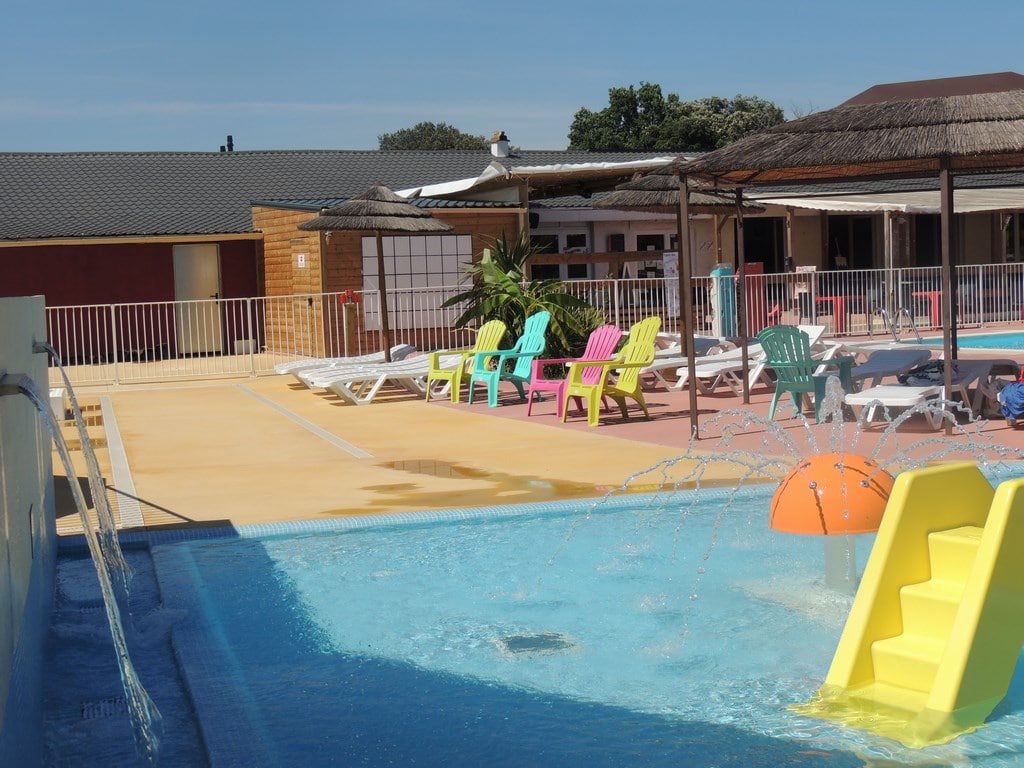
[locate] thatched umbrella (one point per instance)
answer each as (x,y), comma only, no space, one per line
(658,192)
(377,210)
(923,129)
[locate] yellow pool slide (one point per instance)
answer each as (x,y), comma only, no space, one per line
(937,625)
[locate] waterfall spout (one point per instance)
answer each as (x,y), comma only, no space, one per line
(144,714)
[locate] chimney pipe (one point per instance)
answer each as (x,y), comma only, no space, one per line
(499,144)
(231,143)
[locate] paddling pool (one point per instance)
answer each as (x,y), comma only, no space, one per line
(660,630)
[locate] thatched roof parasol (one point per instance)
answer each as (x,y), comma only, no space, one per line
(658,192)
(924,129)
(377,210)
(968,132)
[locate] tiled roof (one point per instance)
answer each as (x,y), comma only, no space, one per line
(316,204)
(145,194)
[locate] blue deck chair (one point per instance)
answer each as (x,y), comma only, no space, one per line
(514,365)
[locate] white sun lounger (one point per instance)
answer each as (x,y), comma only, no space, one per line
(360,386)
(893,396)
(670,359)
(317,378)
(864,349)
(726,367)
(294,367)
(969,373)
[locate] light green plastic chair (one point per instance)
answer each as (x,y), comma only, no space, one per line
(787,351)
(514,365)
(620,376)
(488,337)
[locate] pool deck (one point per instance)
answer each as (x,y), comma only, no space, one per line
(260,450)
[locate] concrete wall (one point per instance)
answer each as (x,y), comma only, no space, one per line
(27,535)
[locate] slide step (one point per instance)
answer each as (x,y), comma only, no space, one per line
(929,608)
(907,661)
(953,552)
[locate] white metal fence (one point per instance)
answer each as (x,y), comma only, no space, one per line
(125,343)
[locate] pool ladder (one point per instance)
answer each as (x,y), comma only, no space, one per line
(895,324)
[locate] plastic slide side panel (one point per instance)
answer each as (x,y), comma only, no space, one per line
(936,628)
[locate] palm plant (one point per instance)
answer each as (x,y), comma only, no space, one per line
(501,291)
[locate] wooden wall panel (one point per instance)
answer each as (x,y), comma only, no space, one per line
(335,264)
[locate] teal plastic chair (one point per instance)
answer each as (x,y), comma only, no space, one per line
(787,351)
(514,365)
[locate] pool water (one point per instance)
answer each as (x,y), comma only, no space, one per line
(635,631)
(1009,340)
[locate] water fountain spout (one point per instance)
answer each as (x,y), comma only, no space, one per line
(144,714)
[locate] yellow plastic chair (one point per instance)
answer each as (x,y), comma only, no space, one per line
(636,353)
(488,337)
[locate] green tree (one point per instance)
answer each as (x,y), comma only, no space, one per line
(431,136)
(639,119)
(501,291)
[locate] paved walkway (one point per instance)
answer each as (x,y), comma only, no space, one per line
(268,450)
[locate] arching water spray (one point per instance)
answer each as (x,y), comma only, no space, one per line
(112,553)
(144,715)
(701,467)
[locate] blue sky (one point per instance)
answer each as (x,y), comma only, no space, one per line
(102,75)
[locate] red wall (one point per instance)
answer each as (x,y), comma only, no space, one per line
(110,274)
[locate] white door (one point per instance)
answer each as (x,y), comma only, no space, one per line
(197,289)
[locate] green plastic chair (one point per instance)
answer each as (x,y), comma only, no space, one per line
(637,353)
(787,351)
(514,365)
(488,337)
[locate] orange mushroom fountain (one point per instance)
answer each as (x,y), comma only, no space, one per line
(833,495)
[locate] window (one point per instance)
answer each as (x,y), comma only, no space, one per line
(576,242)
(650,242)
(544,243)
(544,272)
(418,261)
(764,241)
(654,267)
(571,242)
(413,264)
(1014,236)
(851,242)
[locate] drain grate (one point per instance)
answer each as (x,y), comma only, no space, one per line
(537,643)
(96,710)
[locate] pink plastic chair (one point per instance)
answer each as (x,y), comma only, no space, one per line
(601,345)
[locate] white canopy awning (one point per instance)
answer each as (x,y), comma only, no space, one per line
(497,177)
(964,201)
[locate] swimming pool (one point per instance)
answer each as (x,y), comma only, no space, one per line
(1007,340)
(637,631)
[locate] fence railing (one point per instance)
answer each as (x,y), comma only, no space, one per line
(115,344)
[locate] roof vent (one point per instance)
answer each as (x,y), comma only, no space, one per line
(499,144)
